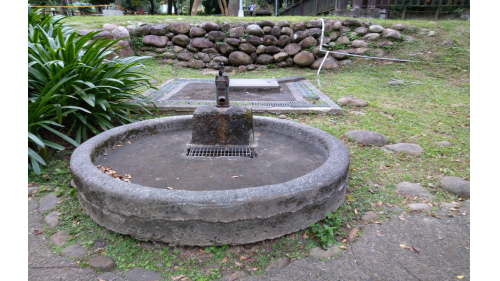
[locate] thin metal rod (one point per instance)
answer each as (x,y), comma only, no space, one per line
(333,52)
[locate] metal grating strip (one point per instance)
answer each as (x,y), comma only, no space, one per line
(304,90)
(316,103)
(208,151)
(194,80)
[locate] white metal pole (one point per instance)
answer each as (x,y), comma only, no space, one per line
(240,11)
(276,8)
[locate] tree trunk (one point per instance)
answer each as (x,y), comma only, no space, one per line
(220,6)
(152,8)
(234,6)
(169,7)
(176,6)
(62,3)
(194,9)
(225,8)
(118,4)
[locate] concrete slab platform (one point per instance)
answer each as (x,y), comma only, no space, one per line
(253,84)
(293,95)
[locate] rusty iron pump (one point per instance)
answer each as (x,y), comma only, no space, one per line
(222,87)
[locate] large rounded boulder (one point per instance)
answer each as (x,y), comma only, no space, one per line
(256,30)
(303,58)
(265,59)
(201,43)
(179,27)
(239,58)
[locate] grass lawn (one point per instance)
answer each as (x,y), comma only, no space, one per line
(434,108)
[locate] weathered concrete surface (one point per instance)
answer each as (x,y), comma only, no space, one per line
(43,265)
(210,217)
(221,125)
(443,246)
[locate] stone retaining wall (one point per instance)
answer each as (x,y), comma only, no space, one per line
(248,46)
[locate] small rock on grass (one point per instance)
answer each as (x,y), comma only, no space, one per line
(102,263)
(282,116)
(100,243)
(74,251)
(235,276)
(139,274)
(368,216)
(58,238)
(352,101)
(406,148)
(456,185)
(352,234)
(47,203)
(443,143)
(412,189)
(357,112)
(419,206)
(367,137)
(319,252)
(31,189)
(52,220)
(278,264)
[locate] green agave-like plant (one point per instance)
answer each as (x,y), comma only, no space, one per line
(71,83)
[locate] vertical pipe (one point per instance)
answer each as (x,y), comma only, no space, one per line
(404,12)
(437,13)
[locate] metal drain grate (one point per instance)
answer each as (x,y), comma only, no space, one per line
(318,103)
(220,151)
(304,90)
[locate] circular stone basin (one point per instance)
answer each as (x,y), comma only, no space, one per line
(241,203)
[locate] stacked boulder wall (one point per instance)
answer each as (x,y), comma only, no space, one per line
(262,43)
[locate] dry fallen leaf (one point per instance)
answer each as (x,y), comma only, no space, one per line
(378,222)
(372,191)
(242,258)
(177,277)
(224,260)
(36,231)
(402,217)
(404,246)
(255,268)
(349,197)
(234,177)
(343,247)
(300,247)
(381,232)
(99,279)
(413,249)
(434,215)
(355,211)
(460,277)
(238,263)
(201,250)
(379,203)
(344,240)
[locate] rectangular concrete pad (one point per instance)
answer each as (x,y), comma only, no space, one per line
(238,84)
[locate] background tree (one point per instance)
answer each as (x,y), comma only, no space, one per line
(194,8)
(233,7)
(211,7)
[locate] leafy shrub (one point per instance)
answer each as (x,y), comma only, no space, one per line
(325,232)
(71,83)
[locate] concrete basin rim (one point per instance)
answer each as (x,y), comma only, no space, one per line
(332,170)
